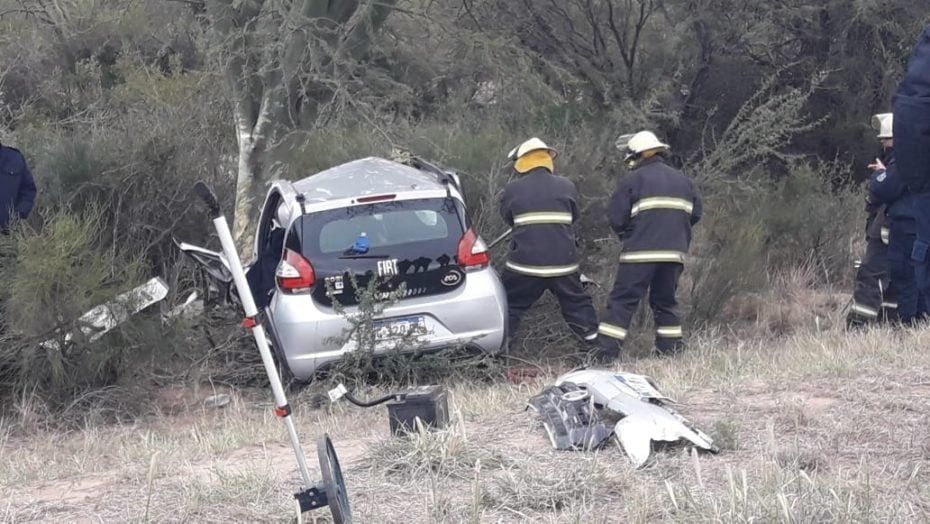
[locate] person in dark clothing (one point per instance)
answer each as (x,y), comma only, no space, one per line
(874,297)
(17,187)
(541,208)
(652,212)
(887,189)
(261,275)
(912,150)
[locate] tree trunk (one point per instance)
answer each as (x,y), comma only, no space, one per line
(270,69)
(248,187)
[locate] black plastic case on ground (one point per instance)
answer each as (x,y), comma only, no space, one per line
(428,403)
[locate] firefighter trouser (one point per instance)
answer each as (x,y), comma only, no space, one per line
(577,307)
(873,298)
(633,280)
(911,304)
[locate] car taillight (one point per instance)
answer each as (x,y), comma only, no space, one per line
(294,273)
(473,252)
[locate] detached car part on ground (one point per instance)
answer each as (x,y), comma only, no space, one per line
(584,408)
(103,318)
(323,239)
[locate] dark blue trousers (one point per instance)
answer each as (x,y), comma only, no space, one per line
(912,305)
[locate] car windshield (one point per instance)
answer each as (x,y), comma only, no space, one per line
(398,229)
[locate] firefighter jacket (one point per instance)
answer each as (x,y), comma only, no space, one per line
(887,188)
(542,208)
(912,119)
(652,212)
(912,145)
(877,225)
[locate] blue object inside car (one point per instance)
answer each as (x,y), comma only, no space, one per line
(361,244)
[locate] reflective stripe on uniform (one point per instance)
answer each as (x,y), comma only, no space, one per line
(591,337)
(889,305)
(662,203)
(611,331)
(544,217)
(864,311)
(669,332)
(542,271)
(886,235)
(653,256)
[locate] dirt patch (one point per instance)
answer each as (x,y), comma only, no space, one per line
(74,491)
(279,456)
(808,436)
(175,400)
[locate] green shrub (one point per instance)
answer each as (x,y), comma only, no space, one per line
(51,278)
(805,220)
(772,227)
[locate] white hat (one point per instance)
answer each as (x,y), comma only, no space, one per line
(533,144)
(884,124)
(643,141)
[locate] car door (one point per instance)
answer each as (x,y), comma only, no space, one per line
(269,245)
(215,265)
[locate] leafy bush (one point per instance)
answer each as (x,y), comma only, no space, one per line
(799,221)
(51,278)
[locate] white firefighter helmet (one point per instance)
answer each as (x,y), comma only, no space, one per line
(884,124)
(642,142)
(533,144)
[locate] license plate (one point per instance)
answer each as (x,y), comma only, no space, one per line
(400,328)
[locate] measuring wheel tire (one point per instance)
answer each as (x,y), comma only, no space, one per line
(334,484)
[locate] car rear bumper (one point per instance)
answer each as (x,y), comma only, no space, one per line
(474,315)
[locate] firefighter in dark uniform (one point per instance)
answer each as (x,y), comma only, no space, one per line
(874,295)
(912,149)
(652,212)
(17,188)
(541,208)
(887,189)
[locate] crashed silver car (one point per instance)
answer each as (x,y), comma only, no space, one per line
(323,238)
(584,408)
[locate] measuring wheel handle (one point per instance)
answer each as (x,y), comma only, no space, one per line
(332,491)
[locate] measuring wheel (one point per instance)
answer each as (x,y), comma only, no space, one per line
(334,484)
(331,491)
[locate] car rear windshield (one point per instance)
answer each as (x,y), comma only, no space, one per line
(406,228)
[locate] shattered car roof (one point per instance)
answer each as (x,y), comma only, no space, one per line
(366,176)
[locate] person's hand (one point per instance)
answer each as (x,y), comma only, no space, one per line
(877,166)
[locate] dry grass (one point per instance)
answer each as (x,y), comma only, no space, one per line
(815,426)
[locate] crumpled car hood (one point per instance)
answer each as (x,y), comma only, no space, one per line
(645,414)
